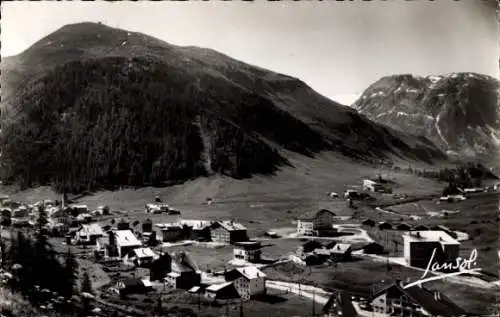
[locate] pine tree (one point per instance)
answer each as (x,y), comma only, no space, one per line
(71,274)
(86,287)
(86,284)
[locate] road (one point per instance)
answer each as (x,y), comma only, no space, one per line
(319,295)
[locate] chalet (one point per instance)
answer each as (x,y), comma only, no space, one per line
(368,222)
(248,281)
(6,216)
(341,252)
(147,226)
(170,232)
(184,272)
(134,286)
(395,300)
(339,304)
(369,185)
(309,246)
(421,228)
(420,245)
(157,208)
(312,222)
(84,218)
(305,226)
(221,291)
(103,209)
(21,216)
(403,227)
(121,242)
(79,209)
(384,225)
(123,225)
(88,234)
(228,232)
(198,229)
(141,257)
(371,248)
(160,267)
(248,251)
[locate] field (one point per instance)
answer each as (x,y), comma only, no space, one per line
(362,275)
(276,303)
(477,217)
(274,203)
(261,203)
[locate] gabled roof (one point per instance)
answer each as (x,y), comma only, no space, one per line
(91,230)
(340,248)
(230,225)
(310,215)
(218,287)
(312,244)
(144,253)
(441,306)
(250,272)
(340,302)
(183,262)
(125,238)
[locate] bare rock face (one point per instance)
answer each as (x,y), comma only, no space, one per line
(458,112)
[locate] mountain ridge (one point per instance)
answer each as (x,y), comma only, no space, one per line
(459,112)
(90,94)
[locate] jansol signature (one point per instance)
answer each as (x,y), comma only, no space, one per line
(463,265)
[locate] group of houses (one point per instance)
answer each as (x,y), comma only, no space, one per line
(393,300)
(224,231)
(178,270)
(317,223)
(402,226)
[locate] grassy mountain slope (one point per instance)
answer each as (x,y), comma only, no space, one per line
(91,106)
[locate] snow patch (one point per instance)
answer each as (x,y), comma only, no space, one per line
(434,79)
(439,130)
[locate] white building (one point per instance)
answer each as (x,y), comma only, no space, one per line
(123,241)
(248,281)
(140,257)
(247,251)
(420,245)
(372,186)
(310,223)
(89,233)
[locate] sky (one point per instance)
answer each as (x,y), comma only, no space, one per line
(337,48)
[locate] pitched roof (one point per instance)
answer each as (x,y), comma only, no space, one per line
(250,272)
(310,215)
(340,302)
(93,229)
(441,306)
(341,248)
(218,287)
(144,253)
(183,262)
(126,238)
(230,225)
(431,236)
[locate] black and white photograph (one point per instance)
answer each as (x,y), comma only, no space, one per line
(250,158)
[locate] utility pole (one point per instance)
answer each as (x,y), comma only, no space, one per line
(241,308)
(227,307)
(199,302)
(314,303)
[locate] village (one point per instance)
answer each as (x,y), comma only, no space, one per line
(217,266)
